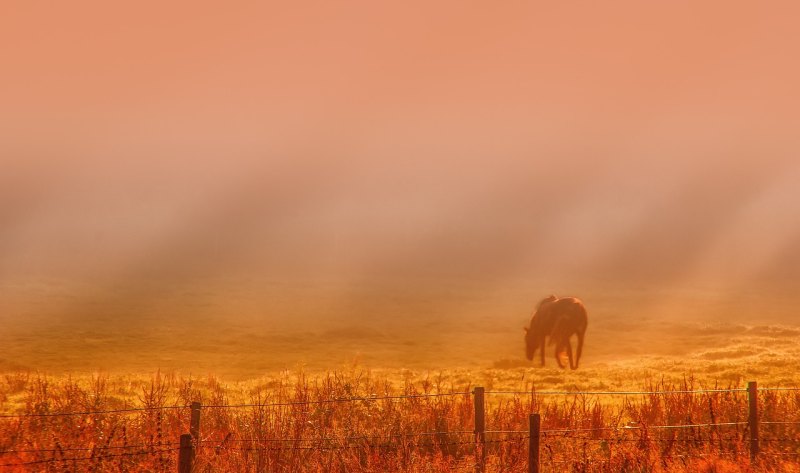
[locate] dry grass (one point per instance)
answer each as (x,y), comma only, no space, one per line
(285,427)
(636,341)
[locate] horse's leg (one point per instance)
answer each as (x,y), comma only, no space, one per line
(559,347)
(572,364)
(542,346)
(579,350)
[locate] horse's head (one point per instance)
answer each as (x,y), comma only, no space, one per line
(531,342)
(535,333)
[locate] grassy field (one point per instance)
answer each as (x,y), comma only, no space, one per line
(283,352)
(356,419)
(242,330)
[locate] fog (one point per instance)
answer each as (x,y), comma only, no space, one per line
(356,155)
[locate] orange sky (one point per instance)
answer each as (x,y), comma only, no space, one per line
(365,140)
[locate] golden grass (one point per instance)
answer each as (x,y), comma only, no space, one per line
(424,343)
(285,427)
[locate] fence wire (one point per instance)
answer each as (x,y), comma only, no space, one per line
(89,449)
(373,445)
(617,393)
(338,400)
(89,413)
(397,397)
(381,441)
(343,439)
(97,458)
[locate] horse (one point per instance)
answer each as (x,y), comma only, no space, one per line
(542,323)
(558,319)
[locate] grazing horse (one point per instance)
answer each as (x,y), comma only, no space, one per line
(558,319)
(542,323)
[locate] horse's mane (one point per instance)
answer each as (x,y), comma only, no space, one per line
(550,298)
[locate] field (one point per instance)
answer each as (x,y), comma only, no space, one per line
(382,380)
(291,237)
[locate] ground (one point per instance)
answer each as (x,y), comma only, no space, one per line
(249,329)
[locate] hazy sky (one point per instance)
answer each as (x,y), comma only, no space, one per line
(636,140)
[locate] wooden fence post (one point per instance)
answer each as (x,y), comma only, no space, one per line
(752,421)
(534,425)
(186,455)
(194,423)
(480,431)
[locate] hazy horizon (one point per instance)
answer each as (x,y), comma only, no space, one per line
(155,158)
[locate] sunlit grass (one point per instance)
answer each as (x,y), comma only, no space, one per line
(395,354)
(284,427)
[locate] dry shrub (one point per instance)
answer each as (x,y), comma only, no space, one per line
(355,421)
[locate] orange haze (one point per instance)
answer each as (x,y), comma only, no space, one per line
(362,148)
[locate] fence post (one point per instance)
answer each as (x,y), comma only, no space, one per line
(186,455)
(752,421)
(194,423)
(480,431)
(534,425)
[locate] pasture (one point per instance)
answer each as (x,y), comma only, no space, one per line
(238,330)
(279,354)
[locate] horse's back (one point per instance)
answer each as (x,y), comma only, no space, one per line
(553,309)
(569,304)
(573,309)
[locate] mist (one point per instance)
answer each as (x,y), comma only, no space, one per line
(308,165)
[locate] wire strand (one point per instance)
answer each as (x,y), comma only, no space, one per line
(96,457)
(87,413)
(88,449)
(332,401)
(618,393)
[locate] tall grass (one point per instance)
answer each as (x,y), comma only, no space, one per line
(356,421)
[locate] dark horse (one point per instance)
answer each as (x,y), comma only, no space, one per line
(558,319)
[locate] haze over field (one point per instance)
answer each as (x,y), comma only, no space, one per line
(265,185)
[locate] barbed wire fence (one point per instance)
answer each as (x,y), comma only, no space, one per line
(480,439)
